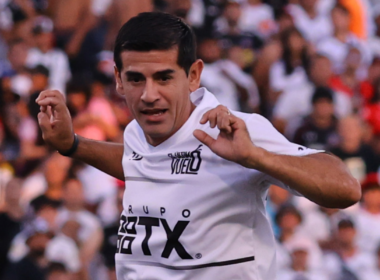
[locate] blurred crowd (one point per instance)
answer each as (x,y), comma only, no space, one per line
(312,67)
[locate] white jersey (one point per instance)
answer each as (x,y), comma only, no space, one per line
(190,214)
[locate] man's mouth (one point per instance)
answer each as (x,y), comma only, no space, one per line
(153,112)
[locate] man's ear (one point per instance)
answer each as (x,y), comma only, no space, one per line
(119,84)
(195,75)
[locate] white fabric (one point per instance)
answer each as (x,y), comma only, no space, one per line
(99,7)
(33,186)
(374,45)
(58,64)
(258,19)
(99,187)
(64,250)
(294,275)
(28,130)
(215,206)
(220,78)
(89,223)
(325,6)
(293,104)
(196,15)
(313,29)
(280,81)
(360,263)
(337,51)
(368,230)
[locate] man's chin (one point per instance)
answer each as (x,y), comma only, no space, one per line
(157,135)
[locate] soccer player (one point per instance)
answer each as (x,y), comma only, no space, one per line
(196,174)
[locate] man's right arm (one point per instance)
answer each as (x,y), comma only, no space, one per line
(57,131)
(105,156)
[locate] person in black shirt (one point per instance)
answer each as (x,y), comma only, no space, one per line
(11,215)
(34,265)
(318,130)
(359,157)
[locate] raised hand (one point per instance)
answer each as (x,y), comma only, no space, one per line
(233,142)
(55,120)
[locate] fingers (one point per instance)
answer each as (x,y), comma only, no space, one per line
(221,117)
(224,122)
(204,137)
(44,122)
(51,98)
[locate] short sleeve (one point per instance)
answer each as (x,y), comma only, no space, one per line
(264,135)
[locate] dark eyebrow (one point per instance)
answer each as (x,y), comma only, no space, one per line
(133,74)
(159,74)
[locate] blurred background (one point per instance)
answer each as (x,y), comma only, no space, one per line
(312,67)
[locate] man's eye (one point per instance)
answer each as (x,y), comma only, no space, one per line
(165,78)
(134,79)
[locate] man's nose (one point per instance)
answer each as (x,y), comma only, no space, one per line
(150,94)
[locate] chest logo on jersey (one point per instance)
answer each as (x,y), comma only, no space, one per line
(127,233)
(136,156)
(186,162)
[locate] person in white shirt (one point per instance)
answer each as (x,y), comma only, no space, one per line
(337,46)
(257,18)
(348,254)
(290,73)
(44,54)
(313,24)
(196,173)
(300,250)
(225,79)
(367,218)
(293,104)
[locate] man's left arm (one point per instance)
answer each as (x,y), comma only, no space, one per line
(320,177)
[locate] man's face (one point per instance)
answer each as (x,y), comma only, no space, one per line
(323,108)
(340,19)
(157,91)
(321,71)
(346,235)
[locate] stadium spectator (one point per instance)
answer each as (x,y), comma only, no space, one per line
(55,60)
(374,274)
(293,105)
(368,216)
(358,156)
(93,116)
(371,110)
(337,47)
(33,266)
(299,268)
(289,220)
(318,130)
(90,233)
(257,18)
(47,181)
(11,215)
(228,82)
(110,237)
(57,271)
(290,72)
(348,258)
(313,24)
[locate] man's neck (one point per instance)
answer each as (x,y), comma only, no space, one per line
(341,35)
(322,122)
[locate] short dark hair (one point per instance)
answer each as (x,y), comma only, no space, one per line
(346,223)
(56,267)
(288,209)
(322,93)
(156,31)
(342,8)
